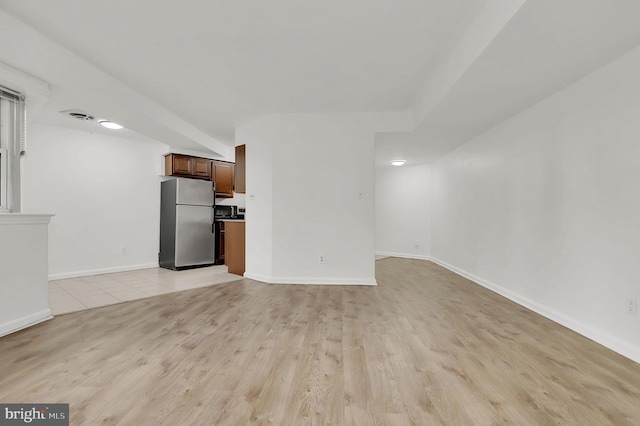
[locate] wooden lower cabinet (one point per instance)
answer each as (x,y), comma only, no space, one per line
(234,250)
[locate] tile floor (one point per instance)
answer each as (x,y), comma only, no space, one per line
(78,294)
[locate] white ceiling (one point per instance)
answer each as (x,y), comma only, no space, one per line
(217,63)
(547,45)
(186,73)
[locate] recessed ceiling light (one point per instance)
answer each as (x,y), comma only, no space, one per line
(398,162)
(110,125)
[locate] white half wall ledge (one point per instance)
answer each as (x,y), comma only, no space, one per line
(621,347)
(310,281)
(24,219)
(101,271)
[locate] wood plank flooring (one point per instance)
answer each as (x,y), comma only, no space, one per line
(424,347)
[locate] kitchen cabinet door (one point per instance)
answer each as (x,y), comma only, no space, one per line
(178,165)
(223,176)
(220,243)
(235,247)
(187,166)
(201,167)
(240,184)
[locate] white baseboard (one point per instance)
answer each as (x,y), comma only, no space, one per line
(310,281)
(257,277)
(24,322)
(623,348)
(404,255)
(90,272)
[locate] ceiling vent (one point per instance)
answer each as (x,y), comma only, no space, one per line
(78,115)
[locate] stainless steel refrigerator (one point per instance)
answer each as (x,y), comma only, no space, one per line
(187,237)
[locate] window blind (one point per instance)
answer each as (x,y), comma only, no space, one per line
(12,145)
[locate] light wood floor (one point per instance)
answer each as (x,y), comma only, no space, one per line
(424,347)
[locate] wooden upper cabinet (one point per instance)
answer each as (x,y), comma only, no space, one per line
(222,174)
(240,170)
(187,166)
(177,164)
(201,167)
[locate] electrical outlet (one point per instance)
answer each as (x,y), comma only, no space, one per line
(417,245)
(322,259)
(631,306)
(123,250)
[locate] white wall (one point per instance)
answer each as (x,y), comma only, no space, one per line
(544,208)
(259,198)
(237,200)
(403,211)
(105,193)
(305,173)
